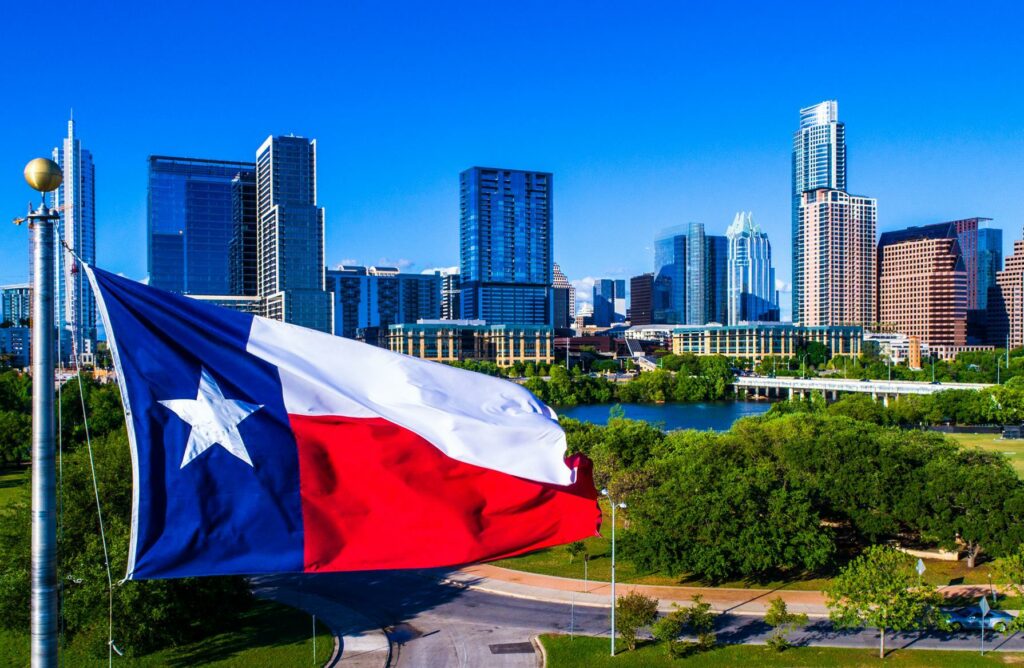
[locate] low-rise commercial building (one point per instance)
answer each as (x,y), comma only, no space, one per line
(756,341)
(461,340)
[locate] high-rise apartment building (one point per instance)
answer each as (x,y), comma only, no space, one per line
(563,298)
(16,304)
(670,251)
(369,300)
(505,235)
(609,301)
(75,200)
(922,287)
(819,161)
(751,278)
(290,265)
(838,271)
(641,299)
(451,296)
(191,211)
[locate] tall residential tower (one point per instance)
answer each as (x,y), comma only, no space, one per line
(75,199)
(819,161)
(505,245)
(290,233)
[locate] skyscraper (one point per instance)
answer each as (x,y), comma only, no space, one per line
(670,276)
(505,235)
(696,275)
(707,281)
(191,225)
(922,286)
(244,245)
(717,290)
(838,267)
(990,262)
(563,298)
(609,301)
(75,199)
(819,161)
(641,299)
(751,278)
(291,234)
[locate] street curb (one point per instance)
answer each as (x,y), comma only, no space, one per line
(543,652)
(663,605)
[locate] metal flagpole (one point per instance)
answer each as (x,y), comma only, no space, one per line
(44,176)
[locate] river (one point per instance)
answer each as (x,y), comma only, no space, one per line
(717,415)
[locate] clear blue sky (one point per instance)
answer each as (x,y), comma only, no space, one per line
(648,114)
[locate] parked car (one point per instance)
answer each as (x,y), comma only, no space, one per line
(970,618)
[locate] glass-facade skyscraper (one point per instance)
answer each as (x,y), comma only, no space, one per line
(990,262)
(75,199)
(505,245)
(609,301)
(819,161)
(244,235)
(751,278)
(670,276)
(290,230)
(707,281)
(191,224)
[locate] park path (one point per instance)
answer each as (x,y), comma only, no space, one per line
(487,577)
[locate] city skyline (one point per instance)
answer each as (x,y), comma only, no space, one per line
(624,165)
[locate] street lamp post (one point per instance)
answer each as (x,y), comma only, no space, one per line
(43,176)
(614,505)
(803,365)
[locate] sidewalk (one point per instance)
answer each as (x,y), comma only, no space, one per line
(550,588)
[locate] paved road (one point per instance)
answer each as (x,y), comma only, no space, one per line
(434,623)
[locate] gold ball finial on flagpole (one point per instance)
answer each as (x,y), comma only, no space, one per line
(43,175)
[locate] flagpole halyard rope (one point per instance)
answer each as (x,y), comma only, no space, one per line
(92,468)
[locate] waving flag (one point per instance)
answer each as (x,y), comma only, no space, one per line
(262,447)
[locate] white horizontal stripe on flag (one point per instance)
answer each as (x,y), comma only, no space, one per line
(472,418)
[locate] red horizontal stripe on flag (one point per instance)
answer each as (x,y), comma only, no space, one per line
(378,496)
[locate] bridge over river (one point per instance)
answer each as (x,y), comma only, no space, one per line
(830,388)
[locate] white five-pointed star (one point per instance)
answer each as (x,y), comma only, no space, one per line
(214,420)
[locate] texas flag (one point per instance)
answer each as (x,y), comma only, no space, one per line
(262,447)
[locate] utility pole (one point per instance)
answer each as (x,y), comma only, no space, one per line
(43,176)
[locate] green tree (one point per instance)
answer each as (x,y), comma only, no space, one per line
(701,622)
(1010,569)
(177,611)
(783,623)
(632,612)
(717,508)
(879,590)
(575,549)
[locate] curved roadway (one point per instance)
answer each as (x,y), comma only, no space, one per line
(432,622)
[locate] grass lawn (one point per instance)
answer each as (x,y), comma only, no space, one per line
(583,651)
(555,561)
(267,636)
(1013,449)
(10,481)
